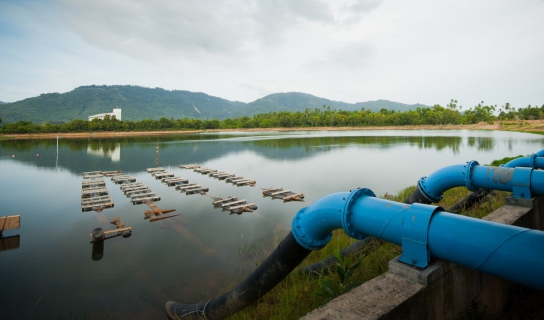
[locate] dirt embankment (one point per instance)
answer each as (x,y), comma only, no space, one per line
(533,126)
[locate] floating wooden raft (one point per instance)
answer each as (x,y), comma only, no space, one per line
(192,189)
(92,174)
(139,192)
(204,170)
(92,183)
(221,175)
(218,201)
(240,181)
(143,198)
(94,192)
(234,205)
(9,223)
(189,166)
(122,179)
(132,186)
(111,173)
(96,203)
(175,181)
(155,212)
(285,195)
(152,170)
(162,175)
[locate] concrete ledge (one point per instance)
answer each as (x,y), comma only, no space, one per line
(440,291)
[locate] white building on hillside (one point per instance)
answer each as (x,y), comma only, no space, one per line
(116,113)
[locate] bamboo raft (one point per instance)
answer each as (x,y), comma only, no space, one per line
(153,170)
(162,175)
(192,188)
(234,205)
(240,181)
(204,170)
(92,174)
(119,179)
(285,195)
(138,199)
(175,181)
(188,166)
(85,184)
(94,192)
(111,173)
(96,203)
(221,175)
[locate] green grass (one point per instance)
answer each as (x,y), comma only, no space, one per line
(293,297)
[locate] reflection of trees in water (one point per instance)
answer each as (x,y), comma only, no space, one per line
(481,143)
(327,143)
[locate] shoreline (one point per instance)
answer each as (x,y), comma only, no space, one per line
(529,126)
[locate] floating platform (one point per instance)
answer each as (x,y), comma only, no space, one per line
(131,186)
(92,174)
(185,186)
(155,213)
(9,223)
(204,170)
(221,175)
(92,183)
(111,173)
(285,195)
(189,166)
(143,198)
(234,205)
(94,192)
(96,203)
(152,170)
(175,181)
(141,192)
(200,190)
(162,175)
(240,181)
(192,188)
(122,179)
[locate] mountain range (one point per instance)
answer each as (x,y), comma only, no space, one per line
(138,103)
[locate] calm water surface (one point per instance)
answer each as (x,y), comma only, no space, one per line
(190,258)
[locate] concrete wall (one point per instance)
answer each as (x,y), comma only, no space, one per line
(440,291)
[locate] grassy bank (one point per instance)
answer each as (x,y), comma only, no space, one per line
(294,297)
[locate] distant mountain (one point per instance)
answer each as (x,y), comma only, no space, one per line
(2,102)
(138,103)
(296,101)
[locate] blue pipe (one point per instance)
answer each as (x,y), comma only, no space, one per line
(505,251)
(523,182)
(532,161)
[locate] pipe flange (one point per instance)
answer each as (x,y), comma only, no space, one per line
(302,238)
(346,217)
(533,160)
(422,186)
(468,175)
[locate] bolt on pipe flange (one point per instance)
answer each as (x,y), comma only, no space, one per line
(468,175)
(346,218)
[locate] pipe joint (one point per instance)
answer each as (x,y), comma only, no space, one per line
(468,175)
(415,233)
(349,227)
(313,225)
(521,182)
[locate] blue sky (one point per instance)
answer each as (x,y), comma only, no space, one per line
(359,50)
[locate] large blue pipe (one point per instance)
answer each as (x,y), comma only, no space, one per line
(523,182)
(533,161)
(505,251)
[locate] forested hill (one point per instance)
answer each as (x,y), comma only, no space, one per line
(138,103)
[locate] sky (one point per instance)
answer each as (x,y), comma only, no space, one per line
(417,51)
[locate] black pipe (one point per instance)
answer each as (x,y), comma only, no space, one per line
(287,256)
(417,197)
(470,200)
(319,268)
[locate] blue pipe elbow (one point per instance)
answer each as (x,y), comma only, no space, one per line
(313,225)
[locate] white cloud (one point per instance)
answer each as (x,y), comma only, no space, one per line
(350,50)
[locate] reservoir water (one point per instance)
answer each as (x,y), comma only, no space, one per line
(50,272)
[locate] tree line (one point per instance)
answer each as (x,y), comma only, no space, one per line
(318,117)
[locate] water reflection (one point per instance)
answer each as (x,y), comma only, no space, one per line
(192,257)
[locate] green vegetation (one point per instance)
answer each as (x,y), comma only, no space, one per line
(140,103)
(295,296)
(318,117)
